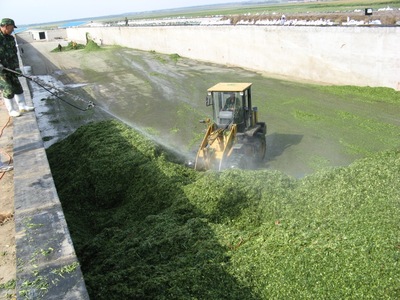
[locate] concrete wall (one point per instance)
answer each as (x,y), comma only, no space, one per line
(365,56)
(47,265)
(56,34)
(49,35)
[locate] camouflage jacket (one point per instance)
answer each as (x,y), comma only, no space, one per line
(8,52)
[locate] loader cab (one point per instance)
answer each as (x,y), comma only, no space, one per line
(234,138)
(231,103)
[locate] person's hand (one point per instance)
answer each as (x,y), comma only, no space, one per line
(18,70)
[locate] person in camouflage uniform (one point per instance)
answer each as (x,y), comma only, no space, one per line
(9,82)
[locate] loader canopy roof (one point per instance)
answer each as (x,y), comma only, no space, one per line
(230,87)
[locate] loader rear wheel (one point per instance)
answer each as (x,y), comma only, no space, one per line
(260,155)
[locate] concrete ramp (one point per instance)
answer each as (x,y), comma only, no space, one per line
(47,266)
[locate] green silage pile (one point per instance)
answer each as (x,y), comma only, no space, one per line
(146,227)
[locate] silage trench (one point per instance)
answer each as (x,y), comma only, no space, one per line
(150,221)
(309,127)
(156,229)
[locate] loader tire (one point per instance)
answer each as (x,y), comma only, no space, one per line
(238,161)
(262,148)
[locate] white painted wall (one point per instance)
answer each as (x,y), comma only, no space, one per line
(364,56)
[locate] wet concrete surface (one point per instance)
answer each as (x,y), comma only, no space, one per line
(47,266)
(164,97)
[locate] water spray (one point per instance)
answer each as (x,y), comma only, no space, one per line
(90,103)
(184,156)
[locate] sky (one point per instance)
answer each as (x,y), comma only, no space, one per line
(44,11)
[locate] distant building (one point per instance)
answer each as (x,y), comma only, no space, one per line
(38,35)
(48,35)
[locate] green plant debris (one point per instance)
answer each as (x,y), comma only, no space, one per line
(365,94)
(92,46)
(155,74)
(174,57)
(66,269)
(306,116)
(159,57)
(39,284)
(29,224)
(318,163)
(9,285)
(145,227)
(47,251)
(353,149)
(152,131)
(71,46)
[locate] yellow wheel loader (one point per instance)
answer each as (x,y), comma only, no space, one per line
(234,137)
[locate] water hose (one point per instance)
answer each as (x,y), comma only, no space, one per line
(90,103)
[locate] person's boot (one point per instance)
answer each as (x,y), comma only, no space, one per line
(12,112)
(20,98)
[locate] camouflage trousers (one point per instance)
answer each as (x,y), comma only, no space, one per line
(10,85)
